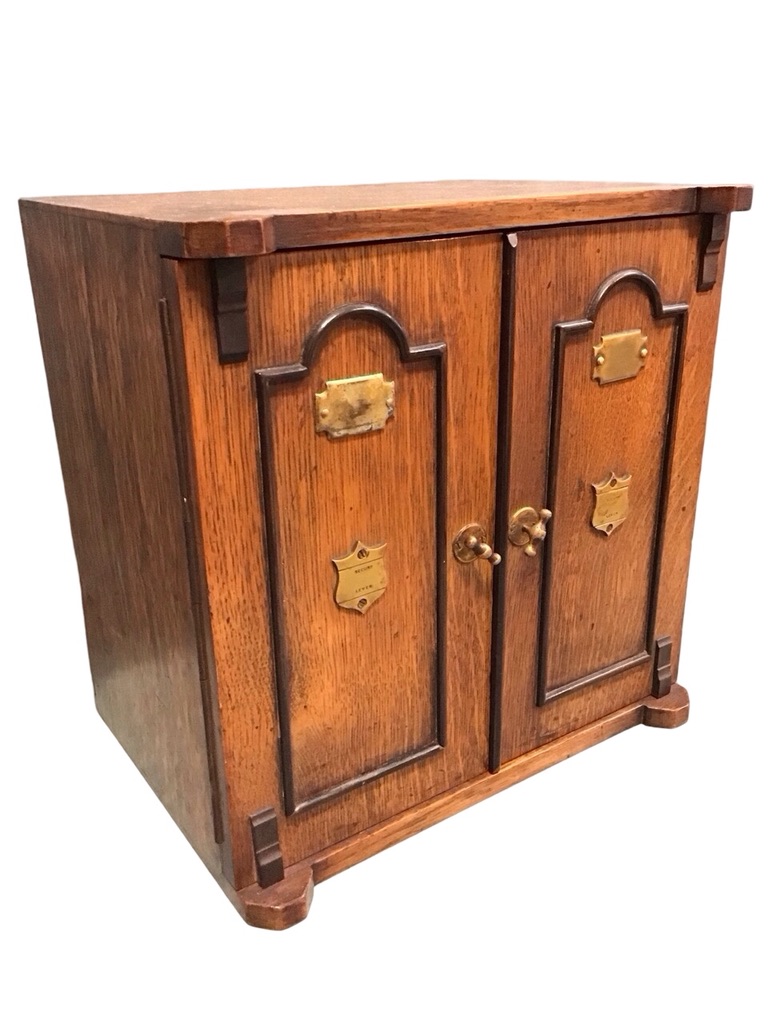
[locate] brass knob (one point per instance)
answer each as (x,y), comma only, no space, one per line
(527,528)
(471,543)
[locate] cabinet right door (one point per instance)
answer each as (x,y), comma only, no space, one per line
(602,424)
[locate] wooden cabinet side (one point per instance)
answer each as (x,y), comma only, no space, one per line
(97,288)
(688,432)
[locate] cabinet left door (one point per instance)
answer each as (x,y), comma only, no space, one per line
(333,468)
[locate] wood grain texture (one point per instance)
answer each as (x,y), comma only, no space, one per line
(444,290)
(287,903)
(253,221)
(667,712)
(290,737)
(322,496)
(599,591)
(556,272)
(179,398)
(96,288)
(687,449)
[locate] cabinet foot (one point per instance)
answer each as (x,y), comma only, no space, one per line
(280,905)
(669,711)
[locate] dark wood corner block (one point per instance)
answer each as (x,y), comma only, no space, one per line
(230,299)
(356,548)
(714,230)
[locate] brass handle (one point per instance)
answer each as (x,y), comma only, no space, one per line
(527,528)
(471,543)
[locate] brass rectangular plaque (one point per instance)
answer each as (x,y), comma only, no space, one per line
(362,577)
(355,405)
(619,356)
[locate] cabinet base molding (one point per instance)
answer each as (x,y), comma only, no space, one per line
(287,902)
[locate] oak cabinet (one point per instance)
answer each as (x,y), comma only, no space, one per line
(382,497)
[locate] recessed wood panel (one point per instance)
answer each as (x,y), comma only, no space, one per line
(599,587)
(342,672)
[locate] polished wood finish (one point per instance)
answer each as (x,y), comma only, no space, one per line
(288,902)
(360,490)
(97,288)
(669,711)
(364,686)
(281,905)
(609,581)
(583,616)
(255,221)
(291,737)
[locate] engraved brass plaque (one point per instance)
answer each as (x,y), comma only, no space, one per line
(611,503)
(362,577)
(355,405)
(619,356)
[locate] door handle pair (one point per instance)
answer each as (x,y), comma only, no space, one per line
(527,529)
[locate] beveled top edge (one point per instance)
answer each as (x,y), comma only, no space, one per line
(254,221)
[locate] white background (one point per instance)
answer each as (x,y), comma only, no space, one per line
(624,885)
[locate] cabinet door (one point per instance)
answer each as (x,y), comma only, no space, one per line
(335,468)
(604,434)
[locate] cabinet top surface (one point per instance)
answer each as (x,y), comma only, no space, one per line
(245,222)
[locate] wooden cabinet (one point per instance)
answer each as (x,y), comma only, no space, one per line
(382,497)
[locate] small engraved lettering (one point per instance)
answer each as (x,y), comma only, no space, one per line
(354,578)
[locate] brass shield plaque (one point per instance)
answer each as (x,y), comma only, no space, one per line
(619,356)
(355,405)
(362,577)
(611,502)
